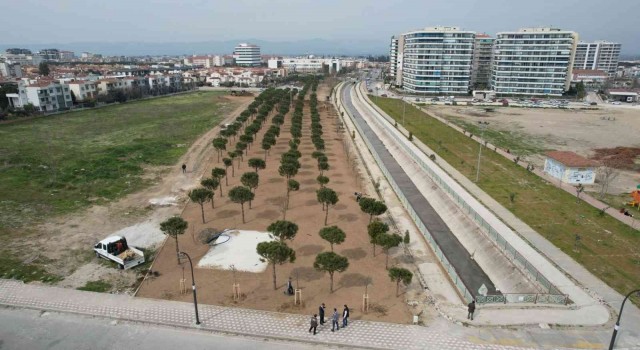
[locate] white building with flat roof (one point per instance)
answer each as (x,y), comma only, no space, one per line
(306,64)
(437,60)
(247,55)
(393,57)
(599,55)
(533,62)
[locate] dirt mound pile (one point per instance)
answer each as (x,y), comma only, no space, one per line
(620,157)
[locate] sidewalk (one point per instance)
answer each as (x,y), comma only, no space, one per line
(253,323)
(589,282)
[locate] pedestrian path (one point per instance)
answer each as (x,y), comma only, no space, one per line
(255,323)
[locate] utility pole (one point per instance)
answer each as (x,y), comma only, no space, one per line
(193,287)
(483,125)
(404,108)
(617,325)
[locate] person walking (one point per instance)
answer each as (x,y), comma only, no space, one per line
(184,168)
(314,324)
(321,312)
(345,316)
(334,320)
(471,308)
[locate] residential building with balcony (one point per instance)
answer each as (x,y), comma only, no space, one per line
(599,55)
(45,96)
(83,89)
(533,62)
(247,55)
(10,70)
(437,60)
(481,63)
(306,64)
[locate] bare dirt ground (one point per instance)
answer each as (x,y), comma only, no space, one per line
(215,285)
(580,131)
(70,252)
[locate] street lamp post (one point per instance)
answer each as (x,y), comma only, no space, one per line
(483,125)
(617,325)
(404,108)
(193,287)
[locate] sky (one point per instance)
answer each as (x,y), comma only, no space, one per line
(69,21)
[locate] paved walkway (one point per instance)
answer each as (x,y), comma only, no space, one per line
(255,323)
(589,282)
(467,268)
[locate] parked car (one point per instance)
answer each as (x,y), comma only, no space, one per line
(617,103)
(593,103)
(116,249)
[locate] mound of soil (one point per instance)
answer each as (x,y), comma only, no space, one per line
(625,158)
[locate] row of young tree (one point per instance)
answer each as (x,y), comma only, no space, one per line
(244,128)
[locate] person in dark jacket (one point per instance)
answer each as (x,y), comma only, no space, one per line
(471,308)
(314,324)
(321,312)
(184,168)
(345,316)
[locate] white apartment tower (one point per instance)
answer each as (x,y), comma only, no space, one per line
(393,57)
(533,61)
(437,60)
(599,55)
(481,63)
(247,55)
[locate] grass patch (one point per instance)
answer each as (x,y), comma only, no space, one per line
(518,143)
(608,248)
(59,164)
(12,268)
(96,286)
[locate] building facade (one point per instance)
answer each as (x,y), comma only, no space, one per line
(306,65)
(481,63)
(393,58)
(247,55)
(437,60)
(10,70)
(599,55)
(533,62)
(570,168)
(45,96)
(83,89)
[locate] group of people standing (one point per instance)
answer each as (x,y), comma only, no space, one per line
(335,318)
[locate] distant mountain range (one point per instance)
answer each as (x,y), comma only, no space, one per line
(298,47)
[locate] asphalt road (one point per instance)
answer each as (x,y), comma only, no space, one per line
(29,329)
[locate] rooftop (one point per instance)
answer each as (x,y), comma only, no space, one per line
(572,159)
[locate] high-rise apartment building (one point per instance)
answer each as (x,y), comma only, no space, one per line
(481,63)
(437,60)
(599,55)
(393,57)
(533,61)
(247,55)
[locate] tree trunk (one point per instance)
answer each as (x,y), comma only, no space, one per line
(386,261)
(331,278)
(265,155)
(370,218)
(242,207)
(177,250)
(202,210)
(274,277)
(249,204)
(326,215)
(226,178)
(374,250)
(331,247)
(397,287)
(218,156)
(233,170)
(220,185)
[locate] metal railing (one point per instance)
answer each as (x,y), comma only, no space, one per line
(462,288)
(555,296)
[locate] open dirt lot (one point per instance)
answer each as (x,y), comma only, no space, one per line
(215,285)
(580,131)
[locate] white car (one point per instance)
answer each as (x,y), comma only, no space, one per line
(617,103)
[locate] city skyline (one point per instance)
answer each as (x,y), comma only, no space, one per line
(366,26)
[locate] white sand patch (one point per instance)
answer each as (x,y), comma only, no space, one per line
(239,251)
(164,201)
(144,235)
